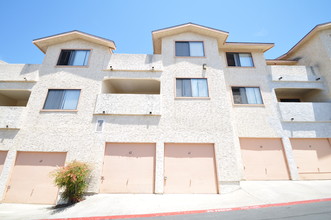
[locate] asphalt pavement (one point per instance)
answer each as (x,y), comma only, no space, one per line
(307,211)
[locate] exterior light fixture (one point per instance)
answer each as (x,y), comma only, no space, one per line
(111,68)
(103,112)
(152,68)
(204,66)
(292,119)
(7,126)
(280,78)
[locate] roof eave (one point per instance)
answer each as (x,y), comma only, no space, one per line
(157,35)
(306,38)
(248,46)
(43,43)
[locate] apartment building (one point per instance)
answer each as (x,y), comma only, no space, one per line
(199,115)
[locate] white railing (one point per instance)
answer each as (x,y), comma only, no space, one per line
(293,73)
(19,72)
(135,62)
(128,104)
(305,111)
(11,117)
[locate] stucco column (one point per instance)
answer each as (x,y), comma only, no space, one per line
(6,171)
(290,158)
(159,168)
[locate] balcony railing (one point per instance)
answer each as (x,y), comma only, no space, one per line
(19,72)
(11,117)
(305,112)
(135,63)
(128,104)
(293,73)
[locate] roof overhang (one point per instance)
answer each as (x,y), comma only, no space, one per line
(45,42)
(305,39)
(281,62)
(157,35)
(241,47)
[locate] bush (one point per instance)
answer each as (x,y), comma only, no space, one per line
(74,179)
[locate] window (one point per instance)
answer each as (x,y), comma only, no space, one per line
(246,95)
(239,59)
(73,57)
(66,99)
(191,88)
(189,49)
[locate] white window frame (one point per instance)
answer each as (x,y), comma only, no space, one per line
(254,97)
(71,58)
(237,59)
(63,101)
(189,47)
(197,87)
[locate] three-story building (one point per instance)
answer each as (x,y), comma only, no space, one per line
(199,115)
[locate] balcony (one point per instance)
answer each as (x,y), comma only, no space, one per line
(135,63)
(19,72)
(286,76)
(11,117)
(128,104)
(125,96)
(305,111)
(12,107)
(293,73)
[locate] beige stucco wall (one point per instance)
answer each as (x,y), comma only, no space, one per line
(213,120)
(316,54)
(181,121)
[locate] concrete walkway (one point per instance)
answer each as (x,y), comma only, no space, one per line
(251,193)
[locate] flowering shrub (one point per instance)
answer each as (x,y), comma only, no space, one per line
(74,179)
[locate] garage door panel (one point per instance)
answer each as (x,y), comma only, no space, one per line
(264,159)
(313,157)
(31,181)
(190,168)
(128,168)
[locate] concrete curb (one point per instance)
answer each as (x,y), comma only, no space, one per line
(194,211)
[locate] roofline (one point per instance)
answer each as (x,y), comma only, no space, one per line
(103,41)
(157,35)
(249,43)
(67,32)
(303,40)
(280,62)
(266,46)
(162,29)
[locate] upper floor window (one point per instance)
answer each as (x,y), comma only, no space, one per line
(73,57)
(189,49)
(191,88)
(66,99)
(239,59)
(246,95)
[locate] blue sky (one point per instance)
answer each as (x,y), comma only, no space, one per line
(130,22)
